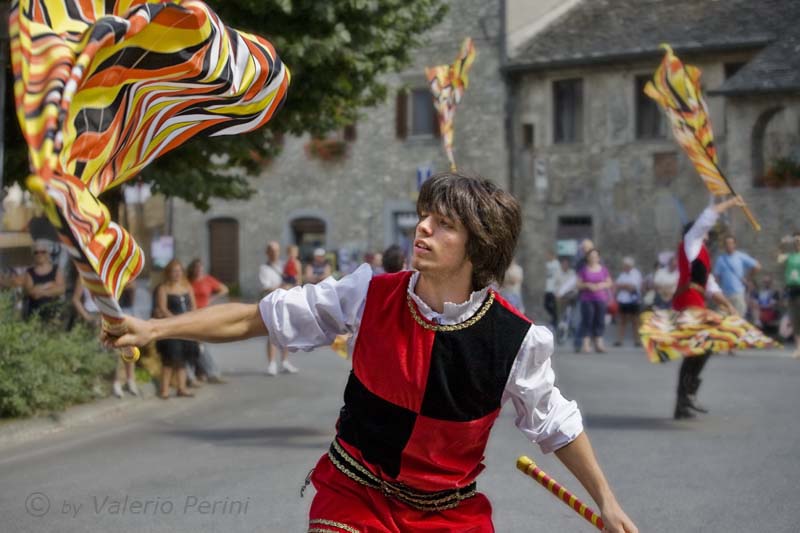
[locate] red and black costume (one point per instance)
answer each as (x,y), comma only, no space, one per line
(419,405)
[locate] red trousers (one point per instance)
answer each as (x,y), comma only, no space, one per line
(342,505)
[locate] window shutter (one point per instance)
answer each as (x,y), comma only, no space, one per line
(401,116)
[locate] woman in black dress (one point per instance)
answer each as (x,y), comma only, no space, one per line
(173,297)
(44,284)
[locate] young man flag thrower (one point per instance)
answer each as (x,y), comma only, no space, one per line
(436,354)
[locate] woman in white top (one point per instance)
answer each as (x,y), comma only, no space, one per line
(629,291)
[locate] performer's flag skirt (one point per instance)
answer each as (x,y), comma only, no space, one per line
(668,335)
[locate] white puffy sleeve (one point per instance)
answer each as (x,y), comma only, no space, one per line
(712,287)
(543,414)
(304,318)
(693,240)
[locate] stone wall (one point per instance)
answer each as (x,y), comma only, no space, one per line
(637,192)
(358,196)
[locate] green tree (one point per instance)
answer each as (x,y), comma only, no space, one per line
(336,50)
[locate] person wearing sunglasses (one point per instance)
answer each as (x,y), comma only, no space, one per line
(44,284)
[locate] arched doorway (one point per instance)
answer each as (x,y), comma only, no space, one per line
(774,136)
(223,236)
(308,233)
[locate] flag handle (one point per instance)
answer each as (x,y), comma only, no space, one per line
(751,218)
(749,214)
(528,467)
(130,354)
(712,158)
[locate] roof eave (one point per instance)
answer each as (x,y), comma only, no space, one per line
(539,66)
(754,91)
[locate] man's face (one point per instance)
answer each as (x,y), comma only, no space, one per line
(273,252)
(40,256)
(730,245)
(440,246)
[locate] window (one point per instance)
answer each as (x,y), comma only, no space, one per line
(422,112)
(570,232)
(568,111)
(732,68)
(416,115)
(650,120)
(528,136)
(350,133)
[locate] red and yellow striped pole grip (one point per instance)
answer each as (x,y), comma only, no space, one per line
(529,468)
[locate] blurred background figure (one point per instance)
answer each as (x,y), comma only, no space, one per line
(206,287)
(765,305)
(318,269)
(174,296)
(206,290)
(731,269)
(594,285)
(376,262)
(88,312)
(43,284)
(394,260)
(271,277)
(584,248)
(552,268)
(511,289)
(293,268)
(665,281)
(628,288)
(566,298)
(84,305)
(791,277)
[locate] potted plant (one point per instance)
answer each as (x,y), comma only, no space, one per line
(783,172)
(326,149)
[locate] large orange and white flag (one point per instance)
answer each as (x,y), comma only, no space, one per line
(104,88)
(676,88)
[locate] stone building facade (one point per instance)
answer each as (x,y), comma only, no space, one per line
(364,201)
(592,156)
(555,113)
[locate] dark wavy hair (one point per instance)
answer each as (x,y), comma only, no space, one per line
(491,216)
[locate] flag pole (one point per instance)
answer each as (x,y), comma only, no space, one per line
(527,466)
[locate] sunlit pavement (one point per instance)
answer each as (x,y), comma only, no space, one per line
(234,458)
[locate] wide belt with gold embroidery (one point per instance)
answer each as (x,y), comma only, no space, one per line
(696,286)
(423,501)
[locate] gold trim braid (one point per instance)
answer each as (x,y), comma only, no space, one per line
(450,327)
(422,501)
(331,523)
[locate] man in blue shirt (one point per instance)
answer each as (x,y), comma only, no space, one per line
(731,268)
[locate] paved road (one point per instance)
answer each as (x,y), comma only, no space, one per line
(233,458)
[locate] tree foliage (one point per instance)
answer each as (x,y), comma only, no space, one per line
(336,50)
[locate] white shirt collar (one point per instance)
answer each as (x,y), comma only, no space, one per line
(452,313)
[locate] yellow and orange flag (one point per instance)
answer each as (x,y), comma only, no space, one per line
(104,88)
(676,88)
(448,83)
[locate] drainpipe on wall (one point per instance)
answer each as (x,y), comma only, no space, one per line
(509,107)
